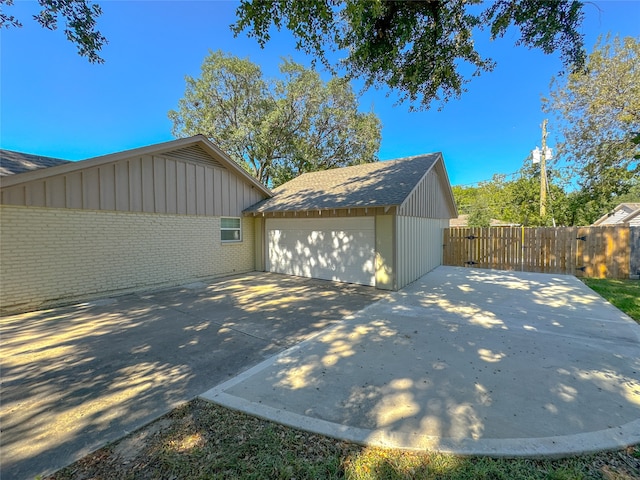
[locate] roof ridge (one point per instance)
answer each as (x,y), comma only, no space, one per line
(411,157)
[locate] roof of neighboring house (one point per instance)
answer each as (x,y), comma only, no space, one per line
(632,216)
(198,140)
(12,163)
(618,215)
(377,184)
(463,221)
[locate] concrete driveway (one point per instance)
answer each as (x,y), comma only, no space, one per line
(465,361)
(77,377)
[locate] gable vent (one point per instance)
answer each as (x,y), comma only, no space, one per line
(194,154)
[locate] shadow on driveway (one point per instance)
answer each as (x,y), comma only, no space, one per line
(466,361)
(78,377)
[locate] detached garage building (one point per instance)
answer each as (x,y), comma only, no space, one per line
(377,224)
(154,216)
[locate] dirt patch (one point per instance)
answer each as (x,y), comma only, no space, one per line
(133,445)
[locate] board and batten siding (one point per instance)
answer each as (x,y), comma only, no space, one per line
(57,255)
(419,247)
(182,182)
(428,199)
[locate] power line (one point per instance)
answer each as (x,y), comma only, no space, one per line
(506,175)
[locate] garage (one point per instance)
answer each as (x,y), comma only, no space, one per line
(377,224)
(338,249)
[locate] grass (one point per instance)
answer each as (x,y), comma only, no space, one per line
(201,440)
(624,294)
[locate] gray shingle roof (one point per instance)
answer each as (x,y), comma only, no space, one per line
(12,162)
(377,184)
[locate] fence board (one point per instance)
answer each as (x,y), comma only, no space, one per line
(601,252)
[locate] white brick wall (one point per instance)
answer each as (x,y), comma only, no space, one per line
(51,255)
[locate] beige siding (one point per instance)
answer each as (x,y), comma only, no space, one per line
(385,252)
(50,255)
(430,198)
(259,242)
(149,183)
(193,154)
(419,247)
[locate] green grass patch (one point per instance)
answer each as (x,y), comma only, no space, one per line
(378,464)
(624,294)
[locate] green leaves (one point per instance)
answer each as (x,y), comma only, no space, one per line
(549,25)
(515,200)
(416,48)
(279,128)
(597,112)
(80,23)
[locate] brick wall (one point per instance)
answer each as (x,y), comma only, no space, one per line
(49,255)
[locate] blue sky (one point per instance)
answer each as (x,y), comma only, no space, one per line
(55,103)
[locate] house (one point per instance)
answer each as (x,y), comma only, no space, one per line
(376,224)
(154,216)
(179,211)
(623,214)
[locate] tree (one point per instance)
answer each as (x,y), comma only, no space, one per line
(276,129)
(598,113)
(516,200)
(465,197)
(521,198)
(80,23)
(415,47)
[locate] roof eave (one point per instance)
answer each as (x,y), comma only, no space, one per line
(263,212)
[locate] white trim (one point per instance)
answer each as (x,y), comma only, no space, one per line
(231,229)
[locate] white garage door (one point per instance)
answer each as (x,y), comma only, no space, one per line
(340,249)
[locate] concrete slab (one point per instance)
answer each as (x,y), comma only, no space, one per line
(464,361)
(78,377)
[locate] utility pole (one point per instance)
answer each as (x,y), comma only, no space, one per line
(543,171)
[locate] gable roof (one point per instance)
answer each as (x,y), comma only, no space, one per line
(378,184)
(198,140)
(12,163)
(618,215)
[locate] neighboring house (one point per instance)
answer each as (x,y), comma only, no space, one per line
(463,221)
(153,216)
(12,163)
(376,224)
(180,211)
(623,214)
(633,219)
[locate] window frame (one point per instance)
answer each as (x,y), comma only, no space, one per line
(231,229)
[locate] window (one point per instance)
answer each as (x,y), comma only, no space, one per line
(230,230)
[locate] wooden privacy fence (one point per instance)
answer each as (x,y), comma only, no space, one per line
(601,252)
